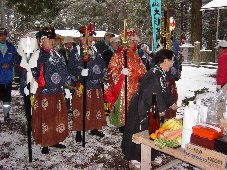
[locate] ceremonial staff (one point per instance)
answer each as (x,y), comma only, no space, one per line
(29,128)
(85,59)
(125,45)
(27,46)
(165,33)
(29,108)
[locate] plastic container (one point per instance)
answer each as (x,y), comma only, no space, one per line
(186,136)
(208,131)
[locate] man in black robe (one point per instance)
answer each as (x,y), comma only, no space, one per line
(114,44)
(103,44)
(137,117)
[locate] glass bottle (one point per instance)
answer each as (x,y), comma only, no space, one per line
(154,118)
(223,121)
(225,113)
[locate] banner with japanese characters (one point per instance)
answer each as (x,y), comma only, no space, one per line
(156,21)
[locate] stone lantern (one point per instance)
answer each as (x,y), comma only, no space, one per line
(186,52)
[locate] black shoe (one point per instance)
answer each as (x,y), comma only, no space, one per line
(6,118)
(78,136)
(122,129)
(60,146)
(97,133)
(107,112)
(45,150)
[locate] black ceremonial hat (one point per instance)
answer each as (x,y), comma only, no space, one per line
(48,32)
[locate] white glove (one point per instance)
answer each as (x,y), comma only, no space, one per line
(106,86)
(33,86)
(26,91)
(84,72)
(124,71)
(67,94)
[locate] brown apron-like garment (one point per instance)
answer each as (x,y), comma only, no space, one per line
(95,114)
(49,119)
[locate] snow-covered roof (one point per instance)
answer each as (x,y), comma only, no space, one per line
(68,33)
(76,33)
(215,4)
(186,45)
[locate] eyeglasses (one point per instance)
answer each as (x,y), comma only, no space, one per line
(107,35)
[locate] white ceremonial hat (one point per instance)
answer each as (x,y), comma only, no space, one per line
(115,39)
(222,43)
(68,39)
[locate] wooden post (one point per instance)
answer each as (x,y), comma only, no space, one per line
(145,160)
(214,52)
(196,54)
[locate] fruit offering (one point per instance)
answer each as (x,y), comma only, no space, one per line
(173,124)
(169,135)
(162,143)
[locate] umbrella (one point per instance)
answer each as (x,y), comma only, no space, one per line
(215,4)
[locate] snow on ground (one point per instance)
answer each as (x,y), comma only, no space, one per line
(98,154)
(192,79)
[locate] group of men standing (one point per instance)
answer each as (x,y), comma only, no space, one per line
(53,73)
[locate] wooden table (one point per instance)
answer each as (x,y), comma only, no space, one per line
(142,138)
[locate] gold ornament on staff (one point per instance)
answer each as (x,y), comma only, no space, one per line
(124,36)
(165,33)
(86,45)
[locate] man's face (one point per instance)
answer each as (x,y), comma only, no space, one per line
(136,41)
(3,38)
(48,43)
(220,49)
(107,37)
(145,48)
(69,45)
(131,43)
(89,40)
(167,64)
(115,45)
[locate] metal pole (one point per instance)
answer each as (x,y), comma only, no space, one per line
(217,33)
(29,127)
(218,24)
(84,105)
(125,44)
(28,105)
(126,79)
(85,59)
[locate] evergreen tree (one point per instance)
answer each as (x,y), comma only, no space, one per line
(28,15)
